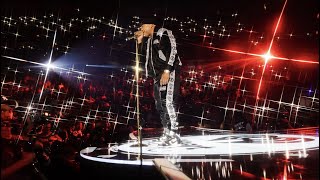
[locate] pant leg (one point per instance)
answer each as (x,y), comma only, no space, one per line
(169,100)
(160,105)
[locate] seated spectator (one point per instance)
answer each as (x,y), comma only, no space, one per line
(16,162)
(77,131)
(46,136)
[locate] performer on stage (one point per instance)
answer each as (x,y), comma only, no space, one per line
(163,64)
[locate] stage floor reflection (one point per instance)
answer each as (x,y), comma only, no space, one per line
(210,154)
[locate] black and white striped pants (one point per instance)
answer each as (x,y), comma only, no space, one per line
(166,100)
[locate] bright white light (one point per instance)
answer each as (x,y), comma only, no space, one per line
(227,145)
(267,56)
(137,68)
(50,66)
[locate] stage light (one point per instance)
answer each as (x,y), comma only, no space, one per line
(137,68)
(267,56)
(49,66)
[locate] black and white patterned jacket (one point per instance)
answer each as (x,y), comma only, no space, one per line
(160,54)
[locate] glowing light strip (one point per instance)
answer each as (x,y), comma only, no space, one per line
(145,162)
(257,55)
(48,65)
(267,56)
(138,103)
(45,65)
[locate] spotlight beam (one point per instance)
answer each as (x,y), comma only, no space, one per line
(268,55)
(48,65)
(42,64)
(276,28)
(258,55)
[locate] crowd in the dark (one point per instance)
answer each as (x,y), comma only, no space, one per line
(72,112)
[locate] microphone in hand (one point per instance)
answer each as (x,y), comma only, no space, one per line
(138,35)
(130,38)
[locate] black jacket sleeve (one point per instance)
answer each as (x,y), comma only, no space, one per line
(166,48)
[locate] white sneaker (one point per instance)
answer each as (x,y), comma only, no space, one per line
(173,140)
(165,135)
(163,138)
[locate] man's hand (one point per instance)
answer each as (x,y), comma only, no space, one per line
(164,78)
(139,36)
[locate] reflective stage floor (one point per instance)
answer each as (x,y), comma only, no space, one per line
(211,154)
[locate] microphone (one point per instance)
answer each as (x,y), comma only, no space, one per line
(130,38)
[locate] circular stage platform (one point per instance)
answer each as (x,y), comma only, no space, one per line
(207,146)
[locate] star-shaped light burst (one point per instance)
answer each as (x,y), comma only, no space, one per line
(202,82)
(49,64)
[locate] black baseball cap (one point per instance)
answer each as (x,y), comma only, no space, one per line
(151,20)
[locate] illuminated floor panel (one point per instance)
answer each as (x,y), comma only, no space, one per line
(223,156)
(233,144)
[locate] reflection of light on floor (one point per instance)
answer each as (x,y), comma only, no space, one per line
(272,142)
(268,144)
(303,147)
(229,142)
(197,155)
(287,150)
(230,145)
